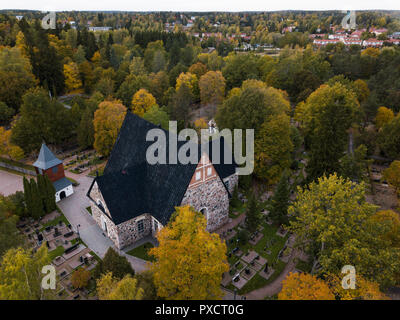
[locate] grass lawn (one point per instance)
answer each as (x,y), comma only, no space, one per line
(55,221)
(74,182)
(99,169)
(142,252)
(257,281)
(89,209)
(56,252)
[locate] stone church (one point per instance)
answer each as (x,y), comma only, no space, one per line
(133,199)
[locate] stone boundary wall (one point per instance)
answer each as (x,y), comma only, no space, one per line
(19,169)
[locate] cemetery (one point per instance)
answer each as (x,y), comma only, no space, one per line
(80,162)
(66,251)
(258,259)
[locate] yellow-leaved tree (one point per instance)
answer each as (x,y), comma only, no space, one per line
(107,121)
(190,80)
(142,101)
(392,175)
(190,261)
(21,274)
(7,148)
(364,290)
(111,288)
(72,77)
(383,116)
(212,87)
(303,286)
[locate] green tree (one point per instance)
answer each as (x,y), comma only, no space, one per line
(253,214)
(10,237)
(280,201)
(113,262)
(332,221)
(37,204)
(326,117)
(389,138)
(41,119)
(158,116)
(50,198)
(85,130)
(28,196)
(181,103)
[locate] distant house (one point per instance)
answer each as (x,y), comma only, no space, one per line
(134,199)
(372,43)
(19,17)
(48,164)
(99,28)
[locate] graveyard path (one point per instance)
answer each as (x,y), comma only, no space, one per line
(230,225)
(275,286)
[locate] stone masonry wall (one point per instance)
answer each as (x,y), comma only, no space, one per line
(211,195)
(232,182)
(97,215)
(129,233)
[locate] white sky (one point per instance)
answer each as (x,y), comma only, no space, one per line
(199,5)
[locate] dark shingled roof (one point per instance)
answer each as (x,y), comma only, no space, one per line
(131,187)
(61,184)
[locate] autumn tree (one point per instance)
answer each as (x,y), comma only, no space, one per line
(191,81)
(142,101)
(189,260)
(392,175)
(107,121)
(303,286)
(332,221)
(364,290)
(111,288)
(15,76)
(21,274)
(198,69)
(72,78)
(7,147)
(392,220)
(383,116)
(80,278)
(212,87)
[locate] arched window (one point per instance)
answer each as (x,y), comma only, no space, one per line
(204,211)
